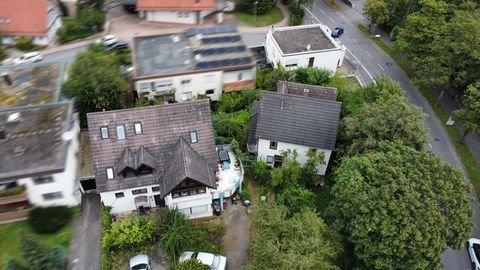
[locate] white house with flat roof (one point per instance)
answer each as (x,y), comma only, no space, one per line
(303,46)
(198,62)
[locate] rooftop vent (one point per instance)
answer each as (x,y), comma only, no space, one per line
(306,90)
(175,38)
(18,151)
(308,47)
(199,36)
(198,57)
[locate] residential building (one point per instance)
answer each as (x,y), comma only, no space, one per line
(158,156)
(171,11)
(303,46)
(198,62)
(38,140)
(35,19)
(295,120)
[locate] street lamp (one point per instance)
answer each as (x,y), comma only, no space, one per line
(255,12)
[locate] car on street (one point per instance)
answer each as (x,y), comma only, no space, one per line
(337,32)
(473,247)
(216,262)
(31,57)
(119,44)
(107,40)
(140,262)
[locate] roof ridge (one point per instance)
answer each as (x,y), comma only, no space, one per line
(183,104)
(311,85)
(306,98)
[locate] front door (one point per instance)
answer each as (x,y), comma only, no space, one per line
(159,202)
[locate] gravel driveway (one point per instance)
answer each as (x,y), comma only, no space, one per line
(236,238)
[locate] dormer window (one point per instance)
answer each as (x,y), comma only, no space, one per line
(121,132)
(138,128)
(193,137)
(104,132)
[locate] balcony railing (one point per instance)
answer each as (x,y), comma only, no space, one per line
(13,195)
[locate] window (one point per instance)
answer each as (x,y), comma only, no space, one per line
(199,209)
(104,132)
(291,65)
(310,61)
(240,76)
(273,145)
(120,132)
(179,14)
(110,173)
(185,81)
(43,180)
(186,95)
(193,137)
(269,159)
(145,86)
(155,189)
(210,92)
(139,191)
(52,196)
(119,195)
(138,128)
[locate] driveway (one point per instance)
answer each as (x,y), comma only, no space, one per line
(236,238)
(85,242)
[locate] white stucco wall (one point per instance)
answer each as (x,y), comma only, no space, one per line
(187,17)
(63,182)
(198,85)
(183,204)
(329,59)
(263,150)
(239,75)
(126,203)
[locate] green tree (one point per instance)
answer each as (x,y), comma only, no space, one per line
(130,233)
(376,11)
(91,20)
(301,242)
(390,118)
(261,170)
(421,28)
(469,115)
(314,76)
(175,233)
(268,79)
(400,207)
(192,264)
(95,82)
(258,7)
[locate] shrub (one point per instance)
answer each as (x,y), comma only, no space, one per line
(12,191)
(130,233)
(192,264)
(245,195)
(24,44)
(262,173)
(49,219)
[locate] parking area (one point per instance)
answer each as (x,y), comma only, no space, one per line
(236,238)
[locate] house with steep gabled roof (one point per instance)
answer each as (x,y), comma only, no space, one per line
(157,156)
(289,119)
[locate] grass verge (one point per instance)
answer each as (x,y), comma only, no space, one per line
(10,238)
(272,16)
(331,4)
(471,166)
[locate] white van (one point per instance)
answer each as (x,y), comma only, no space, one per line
(30,57)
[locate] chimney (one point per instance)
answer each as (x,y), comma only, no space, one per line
(7,78)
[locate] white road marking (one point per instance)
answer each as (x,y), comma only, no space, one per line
(368,73)
(331,19)
(369,54)
(321,10)
(354,40)
(380,67)
(430,145)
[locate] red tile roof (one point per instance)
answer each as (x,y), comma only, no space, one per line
(175,5)
(23,17)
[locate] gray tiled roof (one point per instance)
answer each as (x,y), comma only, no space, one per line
(162,127)
(186,163)
(297,120)
(307,90)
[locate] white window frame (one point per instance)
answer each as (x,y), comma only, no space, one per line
(123,132)
(102,129)
(187,95)
(58,195)
(137,126)
(270,159)
(193,136)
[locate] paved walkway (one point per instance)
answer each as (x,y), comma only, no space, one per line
(85,243)
(236,238)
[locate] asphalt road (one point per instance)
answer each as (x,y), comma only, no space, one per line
(373,62)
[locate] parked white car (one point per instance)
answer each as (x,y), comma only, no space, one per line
(107,40)
(31,57)
(473,247)
(216,262)
(140,262)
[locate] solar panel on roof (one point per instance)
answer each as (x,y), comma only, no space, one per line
(228,28)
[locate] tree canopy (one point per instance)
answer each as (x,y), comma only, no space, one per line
(400,207)
(302,241)
(469,115)
(192,264)
(95,82)
(376,11)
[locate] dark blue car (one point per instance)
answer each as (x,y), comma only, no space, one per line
(337,32)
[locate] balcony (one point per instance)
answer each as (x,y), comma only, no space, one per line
(14,204)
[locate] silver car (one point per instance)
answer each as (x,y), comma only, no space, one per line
(473,247)
(140,262)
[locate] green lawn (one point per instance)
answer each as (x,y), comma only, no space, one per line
(273,16)
(471,165)
(10,238)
